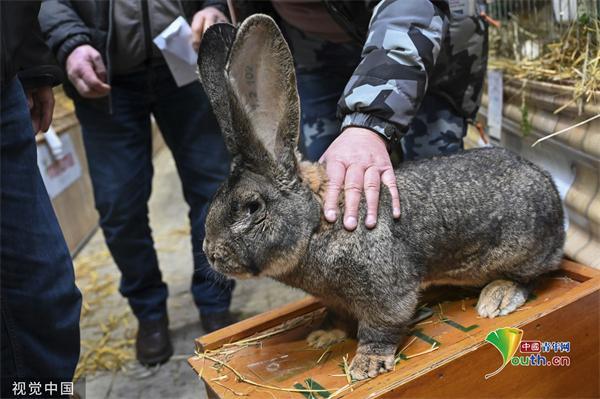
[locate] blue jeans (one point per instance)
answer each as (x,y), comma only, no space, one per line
(119,152)
(40,302)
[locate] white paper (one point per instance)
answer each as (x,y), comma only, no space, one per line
(60,172)
(175,43)
(495,103)
(53,141)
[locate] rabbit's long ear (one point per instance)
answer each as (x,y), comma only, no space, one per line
(212,60)
(265,106)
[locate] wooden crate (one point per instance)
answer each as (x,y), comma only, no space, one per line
(563,308)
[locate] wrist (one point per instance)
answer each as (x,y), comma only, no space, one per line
(365,131)
(70,45)
(384,129)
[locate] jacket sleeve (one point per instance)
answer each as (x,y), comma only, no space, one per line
(221,5)
(63,29)
(398,57)
(35,65)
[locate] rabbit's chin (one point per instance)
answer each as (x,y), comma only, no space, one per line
(236,271)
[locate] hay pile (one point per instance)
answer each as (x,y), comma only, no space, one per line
(109,337)
(107,325)
(573,60)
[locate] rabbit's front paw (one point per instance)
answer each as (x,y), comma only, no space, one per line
(365,366)
(324,338)
(501,297)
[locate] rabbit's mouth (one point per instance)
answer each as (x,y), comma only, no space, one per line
(223,261)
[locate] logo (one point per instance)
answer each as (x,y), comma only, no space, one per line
(506,340)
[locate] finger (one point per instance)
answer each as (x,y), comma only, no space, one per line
(197,30)
(35,116)
(29,100)
(213,20)
(336,171)
(353,187)
(84,89)
(389,179)
(372,185)
(88,75)
(47,107)
(99,68)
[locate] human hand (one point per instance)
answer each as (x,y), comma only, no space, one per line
(203,20)
(87,72)
(358,160)
(41,107)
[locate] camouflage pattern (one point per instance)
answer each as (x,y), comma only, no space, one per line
(398,58)
(413,48)
(436,129)
(323,70)
(461,66)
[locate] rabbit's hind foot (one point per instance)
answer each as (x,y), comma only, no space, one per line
(501,297)
(369,365)
(320,339)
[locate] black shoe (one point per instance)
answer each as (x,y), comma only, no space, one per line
(215,321)
(153,342)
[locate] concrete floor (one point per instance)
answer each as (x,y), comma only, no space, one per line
(108,315)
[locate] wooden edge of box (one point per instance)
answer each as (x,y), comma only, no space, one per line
(263,321)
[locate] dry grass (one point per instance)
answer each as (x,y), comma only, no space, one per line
(109,337)
(573,60)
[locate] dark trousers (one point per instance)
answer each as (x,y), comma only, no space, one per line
(40,302)
(119,152)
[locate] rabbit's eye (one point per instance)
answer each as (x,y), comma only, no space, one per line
(252,207)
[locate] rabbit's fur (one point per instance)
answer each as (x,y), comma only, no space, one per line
(484,217)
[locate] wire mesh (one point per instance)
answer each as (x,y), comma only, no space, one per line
(529,25)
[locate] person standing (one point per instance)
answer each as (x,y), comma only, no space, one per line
(118,80)
(40,304)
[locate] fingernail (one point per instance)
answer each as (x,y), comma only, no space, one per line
(370,221)
(350,222)
(396,212)
(330,215)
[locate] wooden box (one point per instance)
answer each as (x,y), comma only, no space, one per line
(445,356)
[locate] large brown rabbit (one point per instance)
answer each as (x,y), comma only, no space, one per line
(483,218)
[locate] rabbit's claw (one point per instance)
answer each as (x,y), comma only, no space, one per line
(321,339)
(501,297)
(365,366)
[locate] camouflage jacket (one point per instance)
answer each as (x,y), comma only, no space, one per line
(410,47)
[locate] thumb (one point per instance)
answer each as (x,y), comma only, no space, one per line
(98,66)
(197,29)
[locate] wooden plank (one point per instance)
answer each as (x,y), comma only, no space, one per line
(578,272)
(261,322)
(576,323)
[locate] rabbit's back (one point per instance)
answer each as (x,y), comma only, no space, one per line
(479,213)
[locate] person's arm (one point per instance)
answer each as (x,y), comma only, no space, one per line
(379,102)
(71,41)
(36,67)
(399,55)
(63,29)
